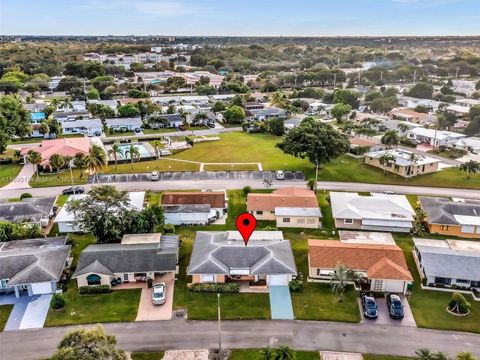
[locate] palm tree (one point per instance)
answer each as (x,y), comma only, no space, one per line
(413,158)
(390,138)
(284,353)
(266,354)
(66,103)
(279,99)
(116,150)
(402,127)
(95,160)
(79,162)
(34,158)
(440,356)
(470,167)
(386,159)
(342,275)
(55,102)
(133,152)
(465,355)
(157,144)
(424,354)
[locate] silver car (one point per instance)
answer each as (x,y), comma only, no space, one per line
(159,294)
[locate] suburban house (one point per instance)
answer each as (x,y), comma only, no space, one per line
(380,212)
(266,113)
(125,124)
(37,211)
(89,127)
(200,207)
(64,146)
(405,163)
(165,121)
(112,104)
(448,263)
(453,218)
(221,256)
(66,220)
(468,102)
(458,110)
(253,105)
(289,207)
(32,266)
(138,257)
(76,105)
(470,144)
(382,267)
(292,123)
(411,116)
(411,102)
(393,125)
(70,115)
(434,137)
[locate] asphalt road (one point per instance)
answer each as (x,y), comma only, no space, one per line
(239,184)
(301,335)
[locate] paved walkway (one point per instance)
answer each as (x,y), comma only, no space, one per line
(280,302)
(22,179)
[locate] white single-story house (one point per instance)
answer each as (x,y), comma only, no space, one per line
(128,124)
(434,137)
(470,144)
(88,126)
(66,220)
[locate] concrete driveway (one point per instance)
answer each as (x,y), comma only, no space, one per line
(280,302)
(22,179)
(29,312)
(147,311)
(384,318)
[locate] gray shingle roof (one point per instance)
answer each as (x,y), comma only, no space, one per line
(217,252)
(36,260)
(442,210)
(119,258)
(30,209)
(194,208)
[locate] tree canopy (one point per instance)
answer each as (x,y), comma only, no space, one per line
(14,120)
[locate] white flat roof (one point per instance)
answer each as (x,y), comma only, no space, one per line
(296,211)
(366,237)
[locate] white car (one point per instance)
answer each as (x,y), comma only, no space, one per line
(154,176)
(159,294)
(279,175)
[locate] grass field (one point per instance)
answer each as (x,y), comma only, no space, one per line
(5,311)
(254,354)
(231,167)
(8,172)
(348,169)
(147,355)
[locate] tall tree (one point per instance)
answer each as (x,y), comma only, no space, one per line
(57,161)
(157,145)
(116,151)
(390,138)
(340,110)
(89,344)
(284,353)
(95,160)
(341,277)
(133,152)
(14,120)
(465,355)
(470,167)
(385,160)
(266,354)
(34,158)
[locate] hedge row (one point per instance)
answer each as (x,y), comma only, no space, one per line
(99,289)
(216,287)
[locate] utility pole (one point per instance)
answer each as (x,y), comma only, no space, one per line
(219,329)
(458,69)
(316,174)
(85,87)
(415,76)
(359,75)
(334,80)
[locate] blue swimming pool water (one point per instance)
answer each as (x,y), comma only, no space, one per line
(144,152)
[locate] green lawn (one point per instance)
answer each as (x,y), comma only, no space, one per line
(253,354)
(5,311)
(348,169)
(147,355)
(61,200)
(232,167)
(384,357)
(8,173)
(158,131)
(428,306)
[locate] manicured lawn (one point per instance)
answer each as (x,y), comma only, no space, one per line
(384,357)
(239,147)
(60,179)
(429,306)
(147,355)
(253,354)
(61,200)
(5,311)
(118,133)
(231,167)
(158,131)
(348,169)
(79,242)
(8,173)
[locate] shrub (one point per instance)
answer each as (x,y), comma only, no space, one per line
(270,228)
(247,190)
(99,289)
(458,304)
(57,302)
(359,150)
(25,196)
(407,142)
(6,161)
(169,229)
(216,287)
(311,184)
(296,285)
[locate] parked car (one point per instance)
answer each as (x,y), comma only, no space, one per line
(211,124)
(73,190)
(389,192)
(369,307)
(182,127)
(53,212)
(159,294)
(280,175)
(395,306)
(154,176)
(137,130)
(311,113)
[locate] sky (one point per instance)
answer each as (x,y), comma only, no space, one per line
(240,17)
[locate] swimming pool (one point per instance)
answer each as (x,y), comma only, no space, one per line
(142,149)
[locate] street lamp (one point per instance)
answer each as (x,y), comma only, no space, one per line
(219,329)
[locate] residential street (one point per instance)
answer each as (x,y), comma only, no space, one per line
(240,183)
(304,335)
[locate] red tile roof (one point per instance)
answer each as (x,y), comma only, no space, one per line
(66,146)
(216,199)
(287,197)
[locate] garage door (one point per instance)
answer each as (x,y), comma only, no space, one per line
(395,286)
(277,280)
(41,288)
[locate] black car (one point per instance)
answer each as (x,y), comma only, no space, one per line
(369,307)
(73,190)
(395,307)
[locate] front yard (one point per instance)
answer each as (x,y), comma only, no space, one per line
(5,311)
(253,354)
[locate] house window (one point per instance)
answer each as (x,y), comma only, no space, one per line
(318,272)
(468,229)
(443,227)
(259,212)
(208,278)
(3,284)
(377,285)
(444,281)
(300,221)
(310,221)
(125,277)
(348,221)
(94,279)
(286,220)
(477,230)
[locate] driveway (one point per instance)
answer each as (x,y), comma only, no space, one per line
(280,302)
(22,179)
(384,318)
(147,311)
(29,312)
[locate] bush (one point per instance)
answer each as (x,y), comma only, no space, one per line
(270,228)
(247,190)
(25,196)
(216,287)
(407,142)
(359,150)
(6,161)
(169,229)
(311,184)
(57,302)
(458,304)
(296,285)
(99,289)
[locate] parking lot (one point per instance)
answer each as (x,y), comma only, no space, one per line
(200,175)
(384,318)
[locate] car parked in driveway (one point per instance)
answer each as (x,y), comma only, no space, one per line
(369,307)
(73,190)
(395,306)
(279,175)
(159,294)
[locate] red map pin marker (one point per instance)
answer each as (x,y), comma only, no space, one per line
(246,224)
